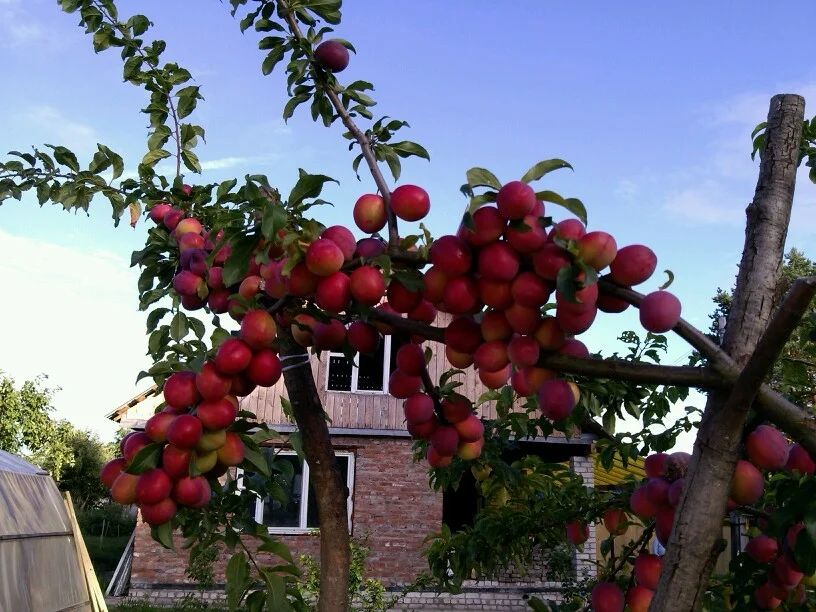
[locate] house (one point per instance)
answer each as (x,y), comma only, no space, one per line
(390,500)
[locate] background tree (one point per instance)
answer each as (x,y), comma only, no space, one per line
(80,475)
(794,374)
(26,426)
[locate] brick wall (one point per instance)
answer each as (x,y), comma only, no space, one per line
(396,508)
(393,505)
(584,560)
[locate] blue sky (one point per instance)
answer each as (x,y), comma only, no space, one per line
(653,105)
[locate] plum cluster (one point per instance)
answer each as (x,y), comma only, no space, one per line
(766,448)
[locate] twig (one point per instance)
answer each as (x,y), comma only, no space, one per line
(640,542)
(359,136)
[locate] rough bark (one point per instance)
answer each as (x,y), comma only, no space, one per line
(325,477)
(697,525)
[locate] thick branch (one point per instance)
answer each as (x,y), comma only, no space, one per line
(786,415)
(772,343)
(359,136)
(616,369)
(692,547)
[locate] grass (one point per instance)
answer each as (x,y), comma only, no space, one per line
(187,604)
(105,553)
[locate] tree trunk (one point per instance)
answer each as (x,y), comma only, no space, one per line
(699,517)
(324,473)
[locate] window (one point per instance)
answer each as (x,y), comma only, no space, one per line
(300,513)
(372,374)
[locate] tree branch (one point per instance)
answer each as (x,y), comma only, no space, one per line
(771,343)
(359,135)
(786,415)
(616,369)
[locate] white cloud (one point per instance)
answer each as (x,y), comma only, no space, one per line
(61,130)
(716,191)
(706,203)
(223,163)
(19,28)
(72,314)
(627,190)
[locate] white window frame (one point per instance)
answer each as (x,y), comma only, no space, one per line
(355,372)
(304,496)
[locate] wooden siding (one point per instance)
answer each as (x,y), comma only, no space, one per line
(363,410)
(375,411)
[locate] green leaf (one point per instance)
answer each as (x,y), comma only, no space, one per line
(159,137)
(255,462)
(668,283)
(187,102)
(407,148)
(480,200)
(163,534)
(115,160)
(179,327)
(237,264)
(542,168)
(479,177)
(238,579)
(225,187)
(276,599)
(65,157)
(197,327)
(138,24)
(278,548)
(155,316)
(274,220)
(574,205)
(151,158)
(191,162)
(272,58)
(292,104)
(146,459)
(308,186)
(565,284)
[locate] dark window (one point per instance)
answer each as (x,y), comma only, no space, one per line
(371,375)
(340,371)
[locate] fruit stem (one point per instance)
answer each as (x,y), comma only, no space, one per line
(359,135)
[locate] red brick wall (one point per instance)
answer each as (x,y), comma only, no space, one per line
(393,505)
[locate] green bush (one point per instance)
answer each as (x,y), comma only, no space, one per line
(106,520)
(366,594)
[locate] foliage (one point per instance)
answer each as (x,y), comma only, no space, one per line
(26,427)
(794,373)
(365,594)
(109,519)
(80,475)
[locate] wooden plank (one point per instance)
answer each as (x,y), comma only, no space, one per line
(97,598)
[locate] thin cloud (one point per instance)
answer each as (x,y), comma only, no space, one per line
(19,29)
(707,204)
(717,191)
(61,130)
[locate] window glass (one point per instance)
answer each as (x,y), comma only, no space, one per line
(340,370)
(276,514)
(370,374)
(312,520)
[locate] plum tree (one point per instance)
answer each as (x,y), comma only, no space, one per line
(290,283)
